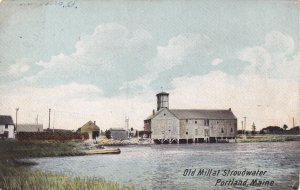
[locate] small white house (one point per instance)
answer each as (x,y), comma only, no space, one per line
(7,127)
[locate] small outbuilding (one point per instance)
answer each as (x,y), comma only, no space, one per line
(91,128)
(118,133)
(29,128)
(7,127)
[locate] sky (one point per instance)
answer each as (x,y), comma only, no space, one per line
(106,60)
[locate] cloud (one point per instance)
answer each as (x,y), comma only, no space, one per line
(259,59)
(74,104)
(263,101)
(116,73)
(106,58)
(273,58)
(184,49)
(216,61)
(18,69)
(279,43)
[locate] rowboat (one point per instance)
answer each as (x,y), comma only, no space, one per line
(102,151)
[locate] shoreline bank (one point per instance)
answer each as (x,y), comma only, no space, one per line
(15,172)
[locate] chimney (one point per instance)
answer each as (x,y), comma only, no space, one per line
(229,109)
(94,122)
(153,111)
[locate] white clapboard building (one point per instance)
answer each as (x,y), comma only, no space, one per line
(189,125)
(7,127)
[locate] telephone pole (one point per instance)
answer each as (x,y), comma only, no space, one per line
(242,127)
(53,121)
(37,119)
(245,123)
(49,118)
(293,122)
(17,109)
(127,124)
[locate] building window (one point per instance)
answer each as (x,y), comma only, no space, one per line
(206,122)
(222,130)
(186,133)
(195,122)
(186,121)
(164,114)
(231,130)
(6,126)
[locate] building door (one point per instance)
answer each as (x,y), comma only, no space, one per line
(206,132)
(5,134)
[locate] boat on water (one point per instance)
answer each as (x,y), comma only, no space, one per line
(102,151)
(90,149)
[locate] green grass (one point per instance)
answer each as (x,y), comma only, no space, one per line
(268,138)
(15,174)
(39,180)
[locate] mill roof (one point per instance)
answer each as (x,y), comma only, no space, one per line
(6,119)
(89,126)
(198,114)
(203,114)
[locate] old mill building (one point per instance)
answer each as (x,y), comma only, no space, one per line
(189,125)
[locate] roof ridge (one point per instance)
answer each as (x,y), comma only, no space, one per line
(203,109)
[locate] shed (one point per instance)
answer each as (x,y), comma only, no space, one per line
(91,128)
(118,133)
(29,128)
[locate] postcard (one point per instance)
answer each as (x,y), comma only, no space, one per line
(147,94)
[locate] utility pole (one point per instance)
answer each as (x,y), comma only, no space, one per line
(242,127)
(293,122)
(127,124)
(245,123)
(53,121)
(17,109)
(49,118)
(37,119)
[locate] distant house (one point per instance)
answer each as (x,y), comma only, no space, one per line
(7,127)
(118,133)
(91,128)
(29,128)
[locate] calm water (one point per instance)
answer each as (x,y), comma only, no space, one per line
(162,166)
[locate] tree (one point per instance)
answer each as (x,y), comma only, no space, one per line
(285,127)
(108,134)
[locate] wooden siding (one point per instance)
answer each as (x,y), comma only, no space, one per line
(216,127)
(165,126)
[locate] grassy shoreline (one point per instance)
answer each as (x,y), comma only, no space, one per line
(267,138)
(15,174)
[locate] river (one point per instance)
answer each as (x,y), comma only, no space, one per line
(167,166)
